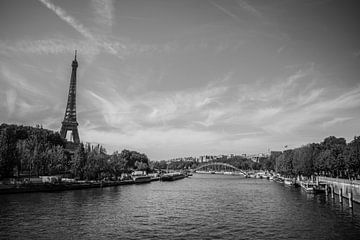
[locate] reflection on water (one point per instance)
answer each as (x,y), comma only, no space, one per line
(200,207)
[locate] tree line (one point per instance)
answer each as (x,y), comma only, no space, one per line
(332,157)
(34,151)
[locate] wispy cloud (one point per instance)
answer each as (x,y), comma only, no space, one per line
(115,111)
(243,5)
(86,47)
(19,82)
(249,8)
(23,97)
(10,100)
(347,100)
(226,11)
(293,119)
(213,116)
(335,121)
(49,46)
(68,19)
(152,109)
(265,114)
(95,41)
(283,107)
(110,47)
(248,133)
(103,12)
(153,140)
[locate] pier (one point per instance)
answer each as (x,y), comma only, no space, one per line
(343,188)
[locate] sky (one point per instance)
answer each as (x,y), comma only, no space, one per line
(176,78)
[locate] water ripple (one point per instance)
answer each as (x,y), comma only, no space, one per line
(201,207)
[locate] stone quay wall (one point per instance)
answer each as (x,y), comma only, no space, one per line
(344,186)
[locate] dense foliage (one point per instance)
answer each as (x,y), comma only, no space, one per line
(34,151)
(332,157)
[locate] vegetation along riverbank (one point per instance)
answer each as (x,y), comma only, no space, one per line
(27,152)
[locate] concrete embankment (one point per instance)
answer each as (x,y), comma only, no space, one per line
(343,187)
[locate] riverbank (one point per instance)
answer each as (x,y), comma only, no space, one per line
(55,184)
(55,187)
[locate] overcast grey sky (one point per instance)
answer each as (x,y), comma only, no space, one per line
(178,78)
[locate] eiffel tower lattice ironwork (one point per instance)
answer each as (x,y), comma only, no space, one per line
(70,123)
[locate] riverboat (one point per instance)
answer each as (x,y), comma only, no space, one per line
(308,186)
(279,179)
(172,176)
(320,187)
(154,176)
(141,179)
(289,182)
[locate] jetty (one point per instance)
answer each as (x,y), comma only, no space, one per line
(344,188)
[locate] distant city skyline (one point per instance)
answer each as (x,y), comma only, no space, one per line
(173,78)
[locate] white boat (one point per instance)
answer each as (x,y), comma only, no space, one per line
(289,182)
(308,186)
(141,179)
(320,187)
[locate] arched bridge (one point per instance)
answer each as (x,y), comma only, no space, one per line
(217,166)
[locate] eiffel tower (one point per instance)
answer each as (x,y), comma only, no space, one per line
(70,123)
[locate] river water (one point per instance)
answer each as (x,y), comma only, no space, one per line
(199,207)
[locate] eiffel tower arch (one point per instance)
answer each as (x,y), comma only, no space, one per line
(70,124)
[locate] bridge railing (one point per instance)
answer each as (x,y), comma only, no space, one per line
(220,164)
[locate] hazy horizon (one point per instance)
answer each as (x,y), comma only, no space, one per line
(175,78)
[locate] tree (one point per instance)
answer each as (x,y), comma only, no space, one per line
(141,166)
(158,165)
(331,159)
(117,164)
(8,152)
(78,162)
(352,157)
(303,160)
(56,159)
(283,163)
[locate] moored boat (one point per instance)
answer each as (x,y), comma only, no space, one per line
(141,179)
(308,186)
(172,176)
(289,182)
(320,187)
(279,179)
